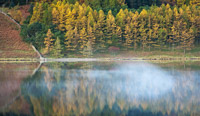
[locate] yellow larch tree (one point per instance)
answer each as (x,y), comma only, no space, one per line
(110,27)
(69,41)
(120,19)
(118,34)
(90,30)
(187,38)
(135,25)
(128,36)
(48,41)
(100,28)
(37,13)
(83,40)
(195,2)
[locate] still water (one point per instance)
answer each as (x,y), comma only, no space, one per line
(100,89)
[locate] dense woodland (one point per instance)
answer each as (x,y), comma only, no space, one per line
(63,27)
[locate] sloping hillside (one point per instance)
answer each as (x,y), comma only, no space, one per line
(11,44)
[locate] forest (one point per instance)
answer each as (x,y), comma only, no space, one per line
(62,27)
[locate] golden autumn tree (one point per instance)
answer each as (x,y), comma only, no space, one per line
(187,38)
(83,40)
(128,36)
(155,35)
(62,17)
(143,36)
(100,28)
(37,13)
(48,41)
(69,18)
(110,27)
(195,2)
(120,19)
(149,31)
(143,29)
(60,11)
(118,34)
(90,34)
(135,25)
(55,16)
(180,2)
(70,44)
(162,38)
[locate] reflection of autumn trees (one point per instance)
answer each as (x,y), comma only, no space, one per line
(83,92)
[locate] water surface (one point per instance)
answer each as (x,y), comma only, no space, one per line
(101,89)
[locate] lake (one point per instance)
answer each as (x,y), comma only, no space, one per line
(120,88)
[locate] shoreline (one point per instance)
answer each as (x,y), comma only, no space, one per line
(99,59)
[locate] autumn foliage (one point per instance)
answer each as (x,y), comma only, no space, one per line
(86,30)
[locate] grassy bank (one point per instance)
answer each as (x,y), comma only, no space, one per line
(19,60)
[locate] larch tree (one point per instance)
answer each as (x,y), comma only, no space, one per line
(143,29)
(48,41)
(155,35)
(162,38)
(57,49)
(69,18)
(110,27)
(187,38)
(149,31)
(118,34)
(70,44)
(195,2)
(180,2)
(55,16)
(135,25)
(91,37)
(128,36)
(83,40)
(100,29)
(120,19)
(37,13)
(62,18)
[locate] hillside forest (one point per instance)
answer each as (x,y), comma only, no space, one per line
(62,27)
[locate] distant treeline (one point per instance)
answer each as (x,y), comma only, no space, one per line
(62,28)
(109,4)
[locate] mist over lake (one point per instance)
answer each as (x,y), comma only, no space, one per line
(100,88)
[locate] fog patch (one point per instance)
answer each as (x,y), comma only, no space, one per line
(138,80)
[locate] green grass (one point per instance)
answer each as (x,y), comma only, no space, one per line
(4,9)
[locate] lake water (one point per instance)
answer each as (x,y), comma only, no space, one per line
(100,89)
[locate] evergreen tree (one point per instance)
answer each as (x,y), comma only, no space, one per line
(57,49)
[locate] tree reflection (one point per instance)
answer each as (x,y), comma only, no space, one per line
(86,90)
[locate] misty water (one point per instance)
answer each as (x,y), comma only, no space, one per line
(100,89)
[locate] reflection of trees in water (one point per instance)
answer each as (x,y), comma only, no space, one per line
(78,92)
